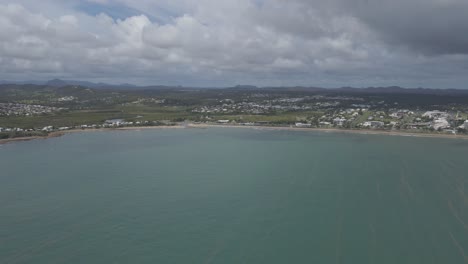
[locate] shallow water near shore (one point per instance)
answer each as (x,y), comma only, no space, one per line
(226,195)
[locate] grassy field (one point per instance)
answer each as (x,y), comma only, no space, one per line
(361,119)
(284,118)
(60,119)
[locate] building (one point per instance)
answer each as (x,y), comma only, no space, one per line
(440,123)
(339,121)
(114,122)
(418,125)
(435,114)
(373,124)
(465,125)
(303,125)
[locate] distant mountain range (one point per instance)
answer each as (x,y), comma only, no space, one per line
(62,83)
(368,90)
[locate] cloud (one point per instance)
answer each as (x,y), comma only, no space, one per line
(425,26)
(102,2)
(224,42)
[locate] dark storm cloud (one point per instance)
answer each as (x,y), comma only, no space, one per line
(428,26)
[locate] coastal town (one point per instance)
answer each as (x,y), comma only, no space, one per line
(435,121)
(81,108)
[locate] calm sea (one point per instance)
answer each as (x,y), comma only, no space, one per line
(223,195)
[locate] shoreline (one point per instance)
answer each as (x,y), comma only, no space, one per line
(278,128)
(19,139)
(339,130)
(64,132)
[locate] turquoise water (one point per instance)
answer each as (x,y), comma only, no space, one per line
(233,196)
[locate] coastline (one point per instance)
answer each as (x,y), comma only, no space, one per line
(19,139)
(339,130)
(279,128)
(64,132)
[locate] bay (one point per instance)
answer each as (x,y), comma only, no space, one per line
(231,195)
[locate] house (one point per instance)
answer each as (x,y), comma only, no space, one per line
(223,121)
(377,124)
(440,123)
(114,122)
(435,114)
(401,113)
(419,125)
(303,125)
(465,125)
(339,121)
(373,124)
(48,128)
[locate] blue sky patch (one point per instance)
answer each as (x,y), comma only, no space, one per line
(117,11)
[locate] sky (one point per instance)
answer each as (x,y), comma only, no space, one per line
(214,43)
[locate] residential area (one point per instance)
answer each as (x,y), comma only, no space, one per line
(14,109)
(46,109)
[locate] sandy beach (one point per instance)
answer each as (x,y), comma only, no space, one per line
(328,130)
(338,130)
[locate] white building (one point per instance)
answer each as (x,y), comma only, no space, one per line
(339,121)
(465,125)
(434,114)
(48,128)
(373,124)
(440,123)
(303,125)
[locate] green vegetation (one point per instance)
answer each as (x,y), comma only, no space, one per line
(15,134)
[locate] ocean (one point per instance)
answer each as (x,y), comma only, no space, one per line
(233,195)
